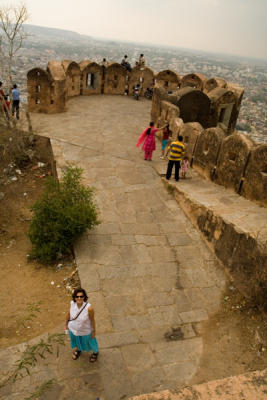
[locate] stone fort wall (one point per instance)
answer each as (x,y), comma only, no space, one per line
(204,110)
(215,150)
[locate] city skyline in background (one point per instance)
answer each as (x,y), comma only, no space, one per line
(218,26)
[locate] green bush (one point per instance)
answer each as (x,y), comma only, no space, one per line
(65,210)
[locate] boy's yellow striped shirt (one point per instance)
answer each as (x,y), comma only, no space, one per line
(176,151)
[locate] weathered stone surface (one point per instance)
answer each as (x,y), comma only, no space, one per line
(168,79)
(207,150)
(95,71)
(180,373)
(190,132)
(194,316)
(232,160)
(224,106)
(141,74)
(250,386)
(177,351)
(138,357)
(117,339)
(255,182)
(194,106)
(115,79)
(114,387)
(193,80)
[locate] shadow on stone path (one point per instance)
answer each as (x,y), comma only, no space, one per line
(145,268)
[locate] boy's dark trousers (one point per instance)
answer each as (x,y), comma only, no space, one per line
(15,108)
(169,169)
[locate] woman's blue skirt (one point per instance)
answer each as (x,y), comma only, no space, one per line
(83,343)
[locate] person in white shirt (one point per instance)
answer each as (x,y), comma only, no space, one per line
(142,60)
(80,324)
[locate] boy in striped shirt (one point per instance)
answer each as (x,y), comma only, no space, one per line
(176,150)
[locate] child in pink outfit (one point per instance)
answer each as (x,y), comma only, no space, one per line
(184,167)
(148,137)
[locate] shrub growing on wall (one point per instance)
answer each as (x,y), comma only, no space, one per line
(65,210)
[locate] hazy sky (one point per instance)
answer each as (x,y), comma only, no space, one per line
(230,26)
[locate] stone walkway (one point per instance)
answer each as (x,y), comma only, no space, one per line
(145,268)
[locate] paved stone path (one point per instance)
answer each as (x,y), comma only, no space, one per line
(145,268)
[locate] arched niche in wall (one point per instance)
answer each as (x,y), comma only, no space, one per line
(168,79)
(115,79)
(194,106)
(142,75)
(223,107)
(214,83)
(196,81)
(91,77)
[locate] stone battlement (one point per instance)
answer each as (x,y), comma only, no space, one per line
(49,89)
(219,154)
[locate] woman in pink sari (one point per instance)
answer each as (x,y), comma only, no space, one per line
(148,137)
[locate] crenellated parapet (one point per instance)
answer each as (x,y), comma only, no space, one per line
(215,150)
(48,90)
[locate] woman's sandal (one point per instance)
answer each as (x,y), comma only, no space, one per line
(76,354)
(93,357)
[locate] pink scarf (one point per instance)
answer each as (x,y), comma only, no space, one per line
(141,138)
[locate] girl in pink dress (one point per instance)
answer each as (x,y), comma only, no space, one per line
(148,137)
(184,167)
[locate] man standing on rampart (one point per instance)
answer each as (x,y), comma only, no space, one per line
(15,101)
(176,150)
(141,61)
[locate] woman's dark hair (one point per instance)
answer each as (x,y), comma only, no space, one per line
(149,129)
(79,290)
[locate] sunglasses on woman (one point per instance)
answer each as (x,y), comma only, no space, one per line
(79,297)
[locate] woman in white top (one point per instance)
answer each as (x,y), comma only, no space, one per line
(80,323)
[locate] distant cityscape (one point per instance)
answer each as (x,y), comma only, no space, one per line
(45,44)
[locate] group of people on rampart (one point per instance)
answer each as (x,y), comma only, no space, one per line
(175,151)
(5,102)
(125,63)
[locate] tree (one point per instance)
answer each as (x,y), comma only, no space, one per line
(12,18)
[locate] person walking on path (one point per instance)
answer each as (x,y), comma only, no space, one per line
(165,138)
(15,101)
(80,324)
(176,153)
(148,137)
